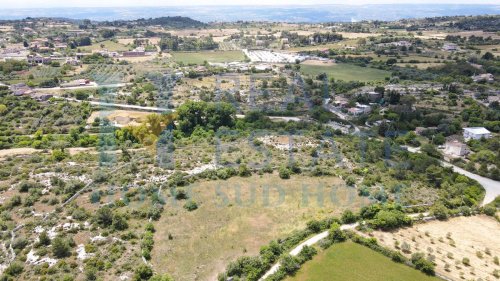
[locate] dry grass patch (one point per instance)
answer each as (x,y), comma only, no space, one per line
(198,245)
(473,238)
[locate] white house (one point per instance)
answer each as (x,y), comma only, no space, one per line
(476,133)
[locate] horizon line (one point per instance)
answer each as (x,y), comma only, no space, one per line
(255,5)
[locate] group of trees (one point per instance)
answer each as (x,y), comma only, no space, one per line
(207,115)
(9,66)
(317,38)
(176,43)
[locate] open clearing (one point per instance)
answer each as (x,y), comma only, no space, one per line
(451,241)
(346,72)
(120,117)
(362,264)
(209,56)
(108,45)
(204,241)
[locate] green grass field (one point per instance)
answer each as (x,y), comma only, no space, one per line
(346,72)
(353,262)
(209,56)
(109,45)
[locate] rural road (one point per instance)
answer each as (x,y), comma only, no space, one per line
(309,242)
(492,187)
(126,106)
(91,86)
(316,238)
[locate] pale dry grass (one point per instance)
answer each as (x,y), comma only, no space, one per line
(222,228)
(463,237)
(122,117)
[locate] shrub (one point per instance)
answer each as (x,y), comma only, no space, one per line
(150,227)
(336,234)
(243,171)
(440,212)
(289,264)
(422,264)
(348,217)
(180,194)
(143,272)
(119,222)
(307,253)
(284,172)
(350,181)
(14,269)
(398,257)
(25,186)
(61,247)
(390,219)
(489,211)
(314,226)
(190,205)
(44,239)
(19,243)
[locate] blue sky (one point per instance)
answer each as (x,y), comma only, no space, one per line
(130,3)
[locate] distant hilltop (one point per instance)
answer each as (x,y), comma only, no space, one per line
(308,13)
(172,22)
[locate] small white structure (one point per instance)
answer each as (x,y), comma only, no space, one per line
(450,47)
(476,133)
(487,77)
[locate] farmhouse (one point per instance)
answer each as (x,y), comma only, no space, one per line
(38,60)
(476,133)
(75,83)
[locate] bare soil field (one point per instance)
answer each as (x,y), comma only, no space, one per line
(126,41)
(121,117)
(236,217)
(442,35)
(450,242)
(355,35)
(18,151)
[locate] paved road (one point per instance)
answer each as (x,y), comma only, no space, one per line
(492,187)
(126,106)
(340,114)
(309,242)
(316,238)
(91,86)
